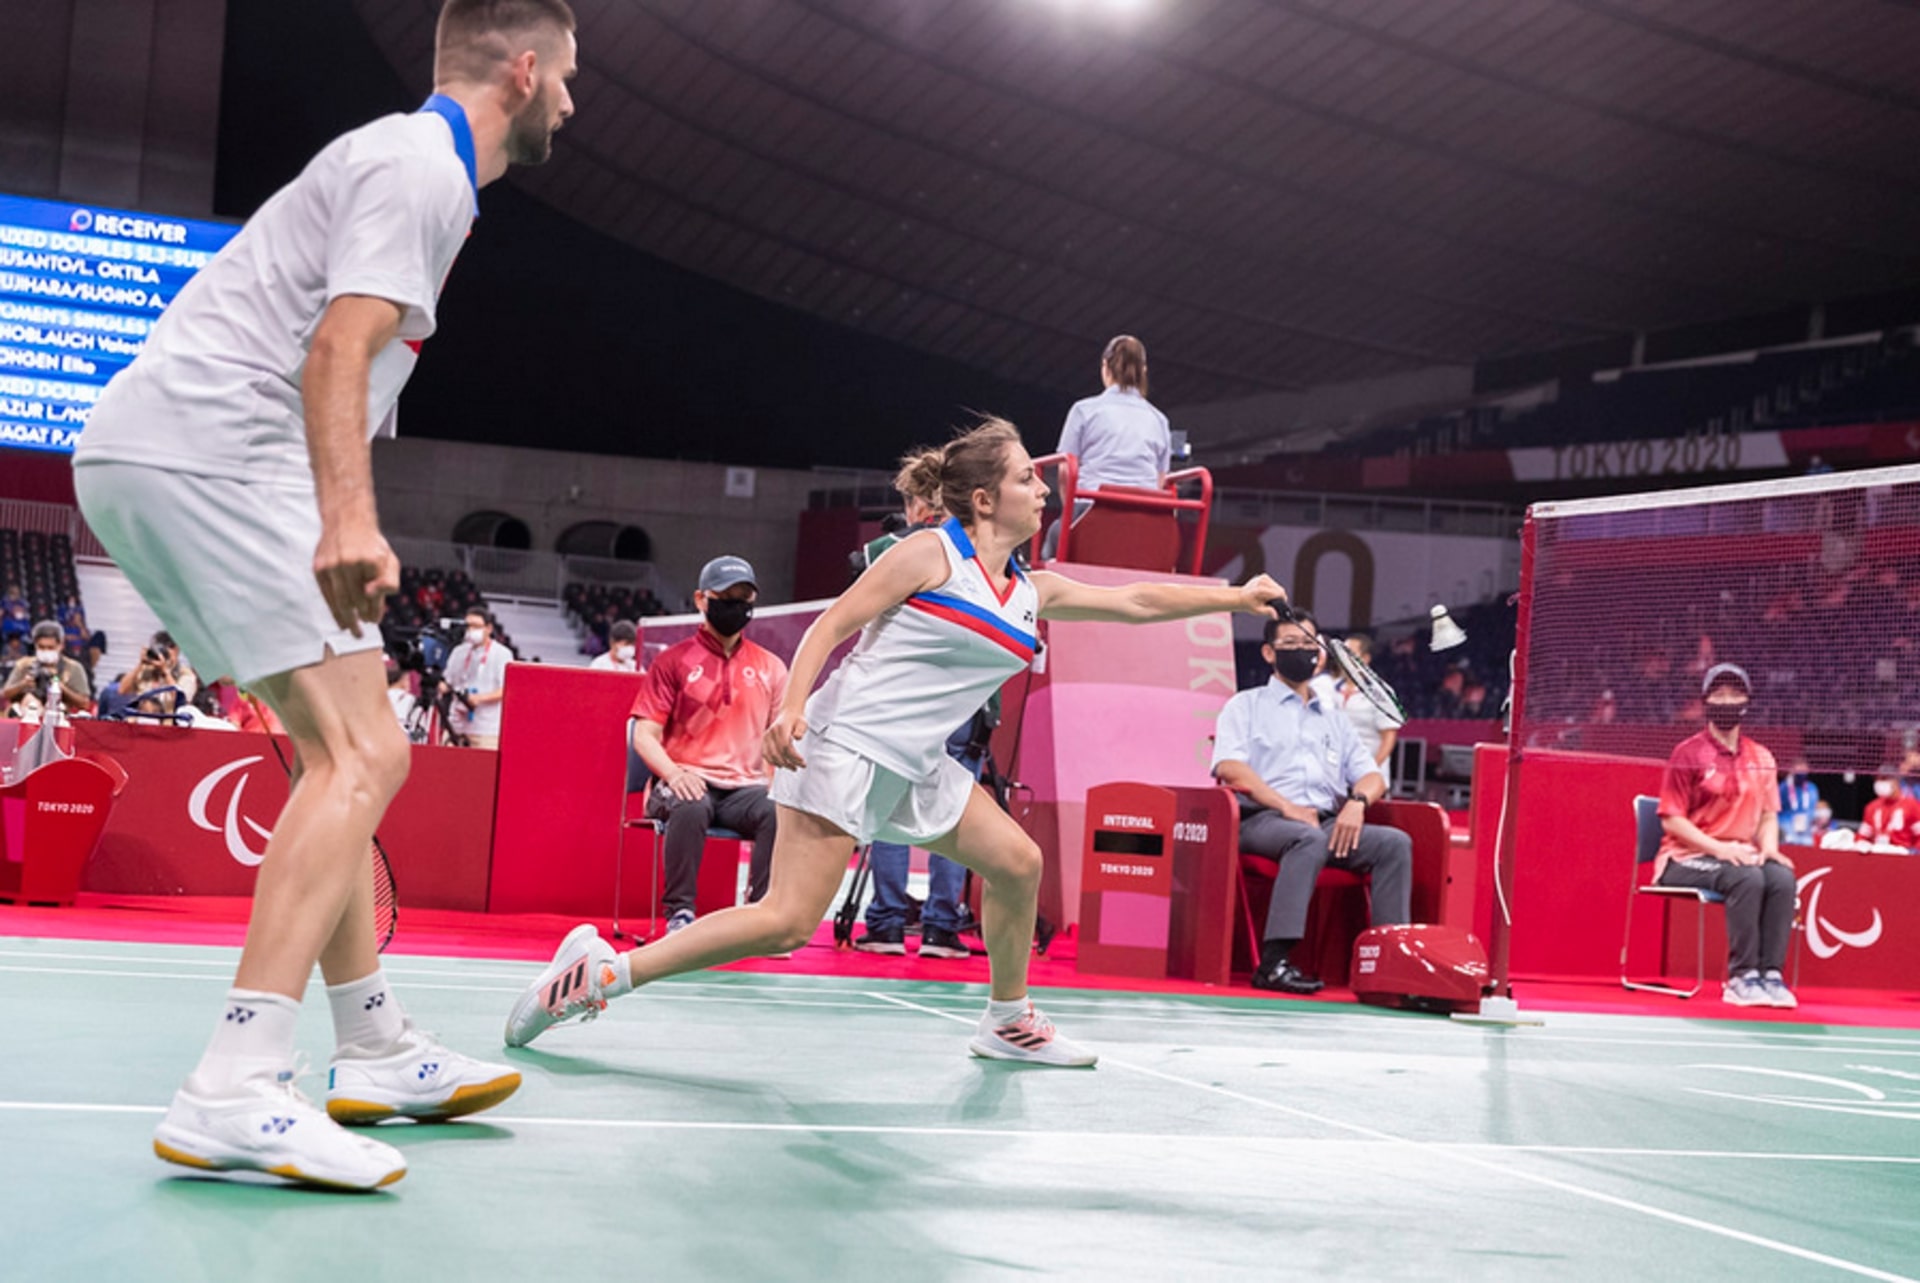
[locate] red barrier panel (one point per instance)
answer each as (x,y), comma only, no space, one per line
(49,823)
(199,804)
(563,768)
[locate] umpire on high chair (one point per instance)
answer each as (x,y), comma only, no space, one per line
(1305,783)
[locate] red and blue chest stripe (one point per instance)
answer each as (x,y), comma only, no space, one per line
(971,616)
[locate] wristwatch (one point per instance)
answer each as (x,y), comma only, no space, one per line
(1355,795)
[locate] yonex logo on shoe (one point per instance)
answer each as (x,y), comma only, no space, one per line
(429,1069)
(378,1000)
(241,1015)
(278,1126)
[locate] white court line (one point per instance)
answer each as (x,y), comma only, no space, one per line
(1469,1158)
(1051,1134)
(1186,1019)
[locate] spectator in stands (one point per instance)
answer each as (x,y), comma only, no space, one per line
(1119,437)
(15,622)
(1719,805)
(1305,783)
(1910,773)
(1378,731)
(476,673)
(1892,818)
(701,713)
(1798,796)
(1822,823)
(623,649)
(35,678)
(942,916)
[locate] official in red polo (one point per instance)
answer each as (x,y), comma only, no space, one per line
(1720,808)
(702,713)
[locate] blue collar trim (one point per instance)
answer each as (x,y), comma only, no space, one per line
(958,533)
(456,117)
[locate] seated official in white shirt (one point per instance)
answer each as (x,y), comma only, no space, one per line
(623,649)
(1305,782)
(1119,437)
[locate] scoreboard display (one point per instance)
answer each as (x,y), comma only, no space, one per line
(80,289)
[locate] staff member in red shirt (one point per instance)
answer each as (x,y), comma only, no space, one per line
(1721,812)
(703,711)
(1892,818)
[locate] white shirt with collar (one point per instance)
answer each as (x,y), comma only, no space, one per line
(1304,750)
(1119,438)
(478,670)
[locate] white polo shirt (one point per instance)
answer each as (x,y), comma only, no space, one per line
(216,390)
(1119,438)
(1307,752)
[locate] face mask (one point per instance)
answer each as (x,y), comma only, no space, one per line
(1724,717)
(1799,777)
(728,615)
(47,657)
(1883,788)
(623,652)
(1823,816)
(1295,665)
(476,636)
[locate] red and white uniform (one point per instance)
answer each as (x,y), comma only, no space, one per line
(1724,792)
(715,708)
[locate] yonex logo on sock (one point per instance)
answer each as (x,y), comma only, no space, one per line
(241,1015)
(378,1000)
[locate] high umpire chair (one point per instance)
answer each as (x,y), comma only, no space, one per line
(1648,832)
(639,780)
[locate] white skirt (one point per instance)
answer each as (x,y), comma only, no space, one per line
(870,802)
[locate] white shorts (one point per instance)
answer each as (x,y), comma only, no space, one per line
(869,801)
(226,564)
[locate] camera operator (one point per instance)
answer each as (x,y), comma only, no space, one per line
(476,673)
(33,680)
(160,667)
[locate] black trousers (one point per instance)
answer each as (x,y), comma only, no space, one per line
(1759,907)
(1384,855)
(748,811)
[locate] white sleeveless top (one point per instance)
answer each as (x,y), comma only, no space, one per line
(928,664)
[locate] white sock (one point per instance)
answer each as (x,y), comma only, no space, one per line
(622,977)
(366,1015)
(254,1036)
(1005,1013)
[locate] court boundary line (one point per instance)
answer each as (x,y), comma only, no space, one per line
(1187,1018)
(1549,1182)
(1054,1134)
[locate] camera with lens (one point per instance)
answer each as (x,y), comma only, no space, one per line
(424,650)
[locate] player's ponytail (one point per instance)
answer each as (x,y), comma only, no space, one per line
(919,475)
(1126,361)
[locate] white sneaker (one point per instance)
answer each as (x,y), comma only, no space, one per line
(266,1125)
(1745,990)
(570,988)
(417,1078)
(1031,1039)
(1774,985)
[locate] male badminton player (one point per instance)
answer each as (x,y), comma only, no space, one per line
(228,472)
(945,618)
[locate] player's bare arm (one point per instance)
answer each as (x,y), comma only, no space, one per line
(353,564)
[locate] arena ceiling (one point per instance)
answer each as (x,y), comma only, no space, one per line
(1274,194)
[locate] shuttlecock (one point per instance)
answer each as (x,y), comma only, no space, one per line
(1446,633)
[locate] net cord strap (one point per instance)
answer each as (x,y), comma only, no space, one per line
(1778,488)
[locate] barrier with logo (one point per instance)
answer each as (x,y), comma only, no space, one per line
(199,806)
(1157,883)
(1574,848)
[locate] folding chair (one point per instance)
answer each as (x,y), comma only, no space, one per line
(639,779)
(1646,848)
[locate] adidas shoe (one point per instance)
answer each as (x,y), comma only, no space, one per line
(417,1078)
(266,1125)
(1031,1039)
(570,988)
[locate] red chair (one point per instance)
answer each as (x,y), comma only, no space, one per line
(1340,907)
(717,885)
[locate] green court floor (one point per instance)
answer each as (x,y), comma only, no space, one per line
(759,1128)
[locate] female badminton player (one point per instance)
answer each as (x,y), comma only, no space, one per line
(946,617)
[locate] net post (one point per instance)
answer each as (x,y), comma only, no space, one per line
(1499,979)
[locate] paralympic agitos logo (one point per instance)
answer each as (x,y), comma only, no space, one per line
(232,823)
